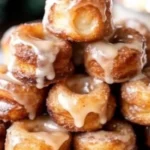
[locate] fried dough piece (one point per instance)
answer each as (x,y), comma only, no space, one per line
(38,134)
(118,60)
(81,103)
(135,101)
(39,59)
(17,100)
(143,29)
(117,136)
(79,21)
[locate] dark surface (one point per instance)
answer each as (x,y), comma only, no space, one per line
(13,12)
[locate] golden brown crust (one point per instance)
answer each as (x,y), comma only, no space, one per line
(142,29)
(18,101)
(128,61)
(26,59)
(122,70)
(38,134)
(33,144)
(100,94)
(116,136)
(136,101)
(11,110)
(96,15)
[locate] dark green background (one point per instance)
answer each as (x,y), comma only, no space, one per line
(19,11)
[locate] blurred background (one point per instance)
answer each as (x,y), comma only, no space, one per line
(14,12)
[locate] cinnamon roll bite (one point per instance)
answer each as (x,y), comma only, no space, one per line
(17,100)
(81,103)
(117,135)
(38,59)
(80,21)
(38,134)
(135,101)
(118,60)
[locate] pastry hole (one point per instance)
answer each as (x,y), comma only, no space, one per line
(86,20)
(82,85)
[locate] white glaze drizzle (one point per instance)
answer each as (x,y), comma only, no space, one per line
(79,107)
(24,99)
(46,51)
(105,53)
(40,129)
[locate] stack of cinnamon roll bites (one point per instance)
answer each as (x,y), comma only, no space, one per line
(68,64)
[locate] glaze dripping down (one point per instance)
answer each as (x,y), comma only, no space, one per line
(42,129)
(46,49)
(80,107)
